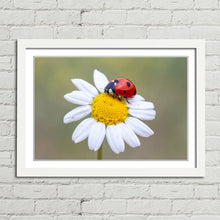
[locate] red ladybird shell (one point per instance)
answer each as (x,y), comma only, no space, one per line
(124,87)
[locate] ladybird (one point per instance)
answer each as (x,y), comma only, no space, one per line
(121,87)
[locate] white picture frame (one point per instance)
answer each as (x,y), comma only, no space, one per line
(194,166)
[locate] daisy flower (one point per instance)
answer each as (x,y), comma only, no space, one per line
(109,115)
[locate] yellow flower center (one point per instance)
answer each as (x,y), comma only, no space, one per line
(108,109)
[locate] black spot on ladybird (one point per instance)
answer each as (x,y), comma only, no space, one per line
(128,84)
(116,81)
(134,92)
(124,91)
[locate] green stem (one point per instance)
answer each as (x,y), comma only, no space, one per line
(99,153)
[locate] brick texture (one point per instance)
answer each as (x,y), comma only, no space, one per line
(109,198)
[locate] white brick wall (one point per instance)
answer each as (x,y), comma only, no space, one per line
(109,198)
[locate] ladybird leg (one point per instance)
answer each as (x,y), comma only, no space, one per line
(119,98)
(114,94)
(127,100)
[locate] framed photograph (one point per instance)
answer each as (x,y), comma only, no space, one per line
(110,108)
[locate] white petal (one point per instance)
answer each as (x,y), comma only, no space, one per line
(84,86)
(96,136)
(141,105)
(79,98)
(143,114)
(139,127)
(82,130)
(136,98)
(100,80)
(77,113)
(115,139)
(128,135)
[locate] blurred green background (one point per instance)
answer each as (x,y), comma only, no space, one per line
(162,81)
